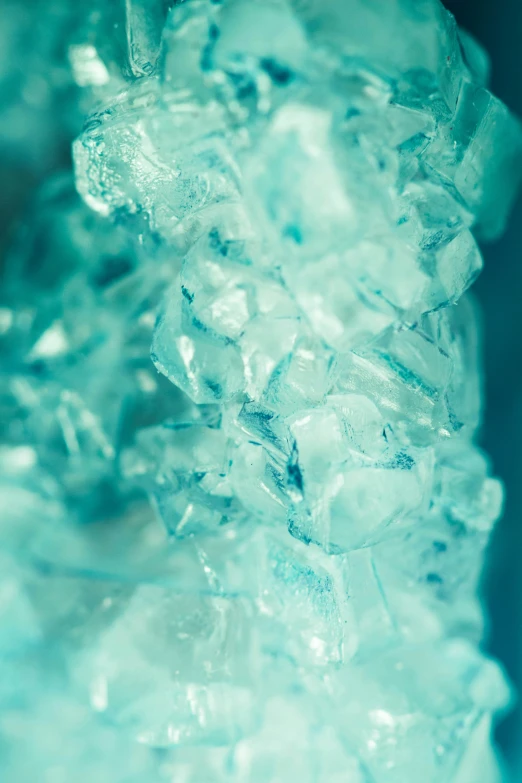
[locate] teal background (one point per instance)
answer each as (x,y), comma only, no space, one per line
(497,24)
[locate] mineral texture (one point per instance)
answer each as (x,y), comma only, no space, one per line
(243,511)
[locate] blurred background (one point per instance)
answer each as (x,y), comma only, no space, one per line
(497,24)
(29,151)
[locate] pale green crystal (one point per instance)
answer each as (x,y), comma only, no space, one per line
(259,564)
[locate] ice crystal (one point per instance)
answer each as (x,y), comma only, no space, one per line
(251,551)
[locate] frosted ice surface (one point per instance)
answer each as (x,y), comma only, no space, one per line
(244,511)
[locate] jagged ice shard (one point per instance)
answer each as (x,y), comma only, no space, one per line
(250,553)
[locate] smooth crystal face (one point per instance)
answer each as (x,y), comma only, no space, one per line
(244,515)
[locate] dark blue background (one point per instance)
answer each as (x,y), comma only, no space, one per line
(497,24)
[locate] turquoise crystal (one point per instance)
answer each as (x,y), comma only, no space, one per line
(244,512)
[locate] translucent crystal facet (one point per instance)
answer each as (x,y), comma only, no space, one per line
(244,512)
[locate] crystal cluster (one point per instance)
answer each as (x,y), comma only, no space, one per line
(250,552)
